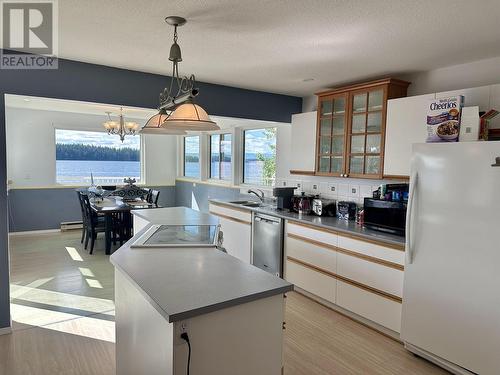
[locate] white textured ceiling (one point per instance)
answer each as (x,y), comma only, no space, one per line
(274,45)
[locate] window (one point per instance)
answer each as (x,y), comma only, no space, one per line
(220,156)
(82,153)
(259,156)
(192,156)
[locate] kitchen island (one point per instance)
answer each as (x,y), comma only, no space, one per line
(232,312)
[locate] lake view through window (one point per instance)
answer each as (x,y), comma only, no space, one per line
(192,156)
(259,166)
(80,153)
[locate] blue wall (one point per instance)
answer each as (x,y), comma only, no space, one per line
(96,83)
(40,209)
(196,195)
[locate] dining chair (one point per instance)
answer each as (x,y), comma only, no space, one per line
(147,196)
(155,194)
(84,220)
(95,223)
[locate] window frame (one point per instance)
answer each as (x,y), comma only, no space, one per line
(199,136)
(242,163)
(142,159)
(220,135)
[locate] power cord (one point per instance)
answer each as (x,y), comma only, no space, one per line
(185,337)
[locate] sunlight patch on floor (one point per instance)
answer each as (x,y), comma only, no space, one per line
(63,300)
(86,272)
(17,291)
(73,253)
(88,326)
(93,283)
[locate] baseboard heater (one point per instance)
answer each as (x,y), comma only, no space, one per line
(71,225)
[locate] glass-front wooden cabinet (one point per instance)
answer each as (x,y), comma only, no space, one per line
(351,128)
(331,140)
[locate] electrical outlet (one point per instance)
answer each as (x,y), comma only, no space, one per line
(183,327)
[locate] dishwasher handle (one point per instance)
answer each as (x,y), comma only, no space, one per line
(267,221)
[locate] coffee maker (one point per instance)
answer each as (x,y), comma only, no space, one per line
(284,197)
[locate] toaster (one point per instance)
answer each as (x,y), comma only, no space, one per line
(324,207)
(346,210)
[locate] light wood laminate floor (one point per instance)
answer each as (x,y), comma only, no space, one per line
(63,320)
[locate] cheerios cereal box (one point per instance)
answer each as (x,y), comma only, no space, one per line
(443,119)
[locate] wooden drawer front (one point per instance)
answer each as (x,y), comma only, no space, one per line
(381,277)
(313,234)
(243,216)
(371,249)
(312,254)
(378,309)
(310,280)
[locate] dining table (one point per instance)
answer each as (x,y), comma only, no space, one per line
(110,206)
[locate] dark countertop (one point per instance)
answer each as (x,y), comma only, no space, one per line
(181,283)
(334,223)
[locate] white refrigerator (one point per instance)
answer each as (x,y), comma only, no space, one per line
(451,296)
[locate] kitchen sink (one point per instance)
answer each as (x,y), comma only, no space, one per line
(252,204)
(240,202)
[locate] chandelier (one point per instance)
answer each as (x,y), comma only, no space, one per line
(120,127)
(177,111)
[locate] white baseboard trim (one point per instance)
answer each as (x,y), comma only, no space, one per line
(451,367)
(5,330)
(34,232)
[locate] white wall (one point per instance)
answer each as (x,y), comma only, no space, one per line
(30,136)
(474,74)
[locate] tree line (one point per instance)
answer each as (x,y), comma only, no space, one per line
(90,152)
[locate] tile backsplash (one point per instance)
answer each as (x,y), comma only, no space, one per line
(340,189)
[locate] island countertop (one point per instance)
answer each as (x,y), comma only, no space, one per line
(185,282)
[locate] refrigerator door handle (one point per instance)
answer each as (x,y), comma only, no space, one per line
(411,199)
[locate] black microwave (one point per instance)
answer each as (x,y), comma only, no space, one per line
(385,215)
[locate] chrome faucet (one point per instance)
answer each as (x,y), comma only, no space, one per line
(256,192)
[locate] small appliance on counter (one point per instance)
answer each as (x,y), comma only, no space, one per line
(324,207)
(346,210)
(385,215)
(284,197)
(392,192)
(302,203)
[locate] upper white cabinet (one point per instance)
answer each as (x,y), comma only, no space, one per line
(405,125)
(303,143)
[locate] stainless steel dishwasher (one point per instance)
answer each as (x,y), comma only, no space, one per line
(267,243)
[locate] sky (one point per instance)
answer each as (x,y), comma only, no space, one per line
(96,139)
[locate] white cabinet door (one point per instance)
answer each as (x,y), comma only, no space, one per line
(303,145)
(405,125)
(237,238)
(381,310)
(311,281)
(236,225)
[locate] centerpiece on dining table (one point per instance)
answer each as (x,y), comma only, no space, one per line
(129,192)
